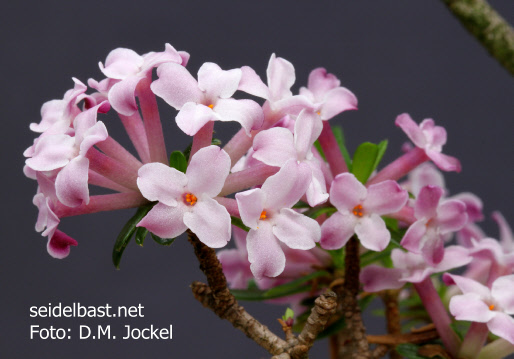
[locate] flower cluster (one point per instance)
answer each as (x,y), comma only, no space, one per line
(285,179)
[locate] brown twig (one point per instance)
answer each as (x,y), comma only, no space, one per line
(395,339)
(488,27)
(392,313)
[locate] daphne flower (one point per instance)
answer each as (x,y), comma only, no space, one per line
(429,138)
(328,97)
(483,305)
(359,210)
(208,99)
(277,145)
(186,200)
(267,211)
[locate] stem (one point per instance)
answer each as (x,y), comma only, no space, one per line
(498,349)
(97,179)
(203,138)
(114,150)
(406,214)
(390,299)
(253,176)
(102,203)
(152,121)
(439,315)
(136,131)
(112,169)
(400,167)
(331,150)
(488,27)
(474,340)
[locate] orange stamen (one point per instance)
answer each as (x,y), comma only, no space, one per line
(358,211)
(263,215)
(211,106)
(491,307)
(191,199)
(319,113)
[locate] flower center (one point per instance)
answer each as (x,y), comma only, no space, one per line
(319,113)
(263,215)
(358,211)
(190,199)
(491,307)
(211,106)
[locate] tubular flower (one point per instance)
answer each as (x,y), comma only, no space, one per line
(480,304)
(205,100)
(267,211)
(359,210)
(186,200)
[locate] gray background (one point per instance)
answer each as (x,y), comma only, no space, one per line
(397,56)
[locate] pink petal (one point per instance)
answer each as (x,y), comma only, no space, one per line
(281,77)
(176,86)
(251,83)
(307,129)
(444,162)
(95,134)
(473,204)
(470,307)
(46,217)
(320,82)
(411,128)
(347,192)
(122,95)
(59,245)
(385,197)
(433,249)
(413,237)
(52,152)
(426,174)
(251,205)
(451,216)
(71,183)
(121,63)
(337,230)
(427,202)
(247,112)
(235,267)
(376,278)
(274,147)
(218,83)
(502,325)
(165,221)
(210,221)
(503,292)
(454,257)
(467,285)
(192,117)
(506,236)
(208,171)
(154,59)
(286,187)
(317,190)
(264,252)
(296,230)
(372,232)
(336,101)
(158,182)
(291,106)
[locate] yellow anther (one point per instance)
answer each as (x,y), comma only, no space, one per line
(491,307)
(211,106)
(263,215)
(319,113)
(358,211)
(191,199)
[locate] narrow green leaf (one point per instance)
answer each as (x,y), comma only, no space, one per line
(337,257)
(317,145)
(301,204)
(127,232)
(339,135)
(364,160)
(409,351)
(141,233)
(382,147)
(391,223)
(178,161)
(239,223)
(318,211)
(162,241)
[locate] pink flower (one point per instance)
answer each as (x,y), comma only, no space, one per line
(435,218)
(235,261)
(208,99)
(359,210)
(483,305)
(267,211)
(326,94)
(410,268)
(129,69)
(277,145)
(429,138)
(186,200)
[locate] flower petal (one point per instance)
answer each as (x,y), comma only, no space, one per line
(208,171)
(347,192)
(210,221)
(307,129)
(502,292)
(274,147)
(412,239)
(372,232)
(281,77)
(317,190)
(247,112)
(264,252)
(251,205)
(411,128)
(235,267)
(165,221)
(121,63)
(192,117)
(451,216)
(444,162)
(71,183)
(502,325)
(122,95)
(470,307)
(320,82)
(376,278)
(427,202)
(385,197)
(218,83)
(158,182)
(52,152)
(59,245)
(336,101)
(296,230)
(467,285)
(337,230)
(252,84)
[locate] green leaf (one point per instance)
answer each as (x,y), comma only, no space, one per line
(391,223)
(364,160)
(141,233)
(337,257)
(239,223)
(296,286)
(382,147)
(301,204)
(461,328)
(162,241)
(320,150)
(127,232)
(409,351)
(289,314)
(339,135)
(178,161)
(318,211)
